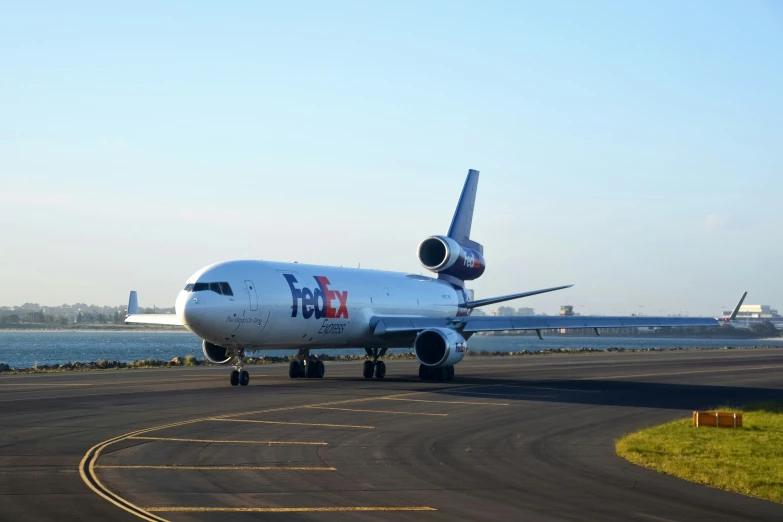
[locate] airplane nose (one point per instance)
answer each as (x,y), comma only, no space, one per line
(190,307)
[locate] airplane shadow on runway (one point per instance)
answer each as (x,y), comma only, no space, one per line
(613,393)
(585,391)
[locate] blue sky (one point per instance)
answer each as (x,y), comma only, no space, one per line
(633,149)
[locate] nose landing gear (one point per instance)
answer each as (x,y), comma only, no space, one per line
(375,366)
(239,376)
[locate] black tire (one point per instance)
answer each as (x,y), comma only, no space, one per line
(234,379)
(293,369)
(310,369)
(244,378)
(425,372)
(380,370)
(438,374)
(449,373)
(320,369)
(368,369)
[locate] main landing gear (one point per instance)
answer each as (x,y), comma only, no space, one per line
(239,375)
(306,366)
(375,366)
(428,373)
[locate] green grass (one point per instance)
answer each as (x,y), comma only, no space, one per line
(747,460)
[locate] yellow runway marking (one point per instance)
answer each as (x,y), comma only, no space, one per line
(295,423)
(276,442)
(381,411)
(224,468)
(285,408)
(90,477)
(285,510)
(449,402)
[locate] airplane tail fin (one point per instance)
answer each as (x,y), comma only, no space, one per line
(459,230)
(133,303)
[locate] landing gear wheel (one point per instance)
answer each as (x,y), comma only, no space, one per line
(244,378)
(449,373)
(234,378)
(438,374)
(293,369)
(380,370)
(320,369)
(311,369)
(368,370)
(425,372)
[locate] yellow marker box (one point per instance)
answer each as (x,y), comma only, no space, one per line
(717,419)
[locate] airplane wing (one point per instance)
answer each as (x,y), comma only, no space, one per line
(135,317)
(383,326)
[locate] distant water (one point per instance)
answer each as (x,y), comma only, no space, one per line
(22,349)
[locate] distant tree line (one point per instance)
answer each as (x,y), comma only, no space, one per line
(80,313)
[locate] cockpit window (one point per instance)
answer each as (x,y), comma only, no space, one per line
(222,288)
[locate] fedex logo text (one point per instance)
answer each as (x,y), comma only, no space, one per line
(319,301)
(471,261)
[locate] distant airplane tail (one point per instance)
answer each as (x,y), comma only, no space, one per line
(133,303)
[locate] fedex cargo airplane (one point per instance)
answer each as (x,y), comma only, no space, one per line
(241,306)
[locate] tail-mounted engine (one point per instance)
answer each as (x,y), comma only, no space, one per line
(217,354)
(443,255)
(439,347)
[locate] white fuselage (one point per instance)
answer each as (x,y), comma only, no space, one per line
(292,305)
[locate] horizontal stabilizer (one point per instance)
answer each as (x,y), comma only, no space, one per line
(493,300)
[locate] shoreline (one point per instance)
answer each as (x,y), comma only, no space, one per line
(58,328)
(192,361)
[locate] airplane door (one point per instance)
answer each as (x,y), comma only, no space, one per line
(250,288)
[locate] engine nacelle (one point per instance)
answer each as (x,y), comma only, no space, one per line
(438,347)
(442,254)
(217,354)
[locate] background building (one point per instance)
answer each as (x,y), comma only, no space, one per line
(506,311)
(749,315)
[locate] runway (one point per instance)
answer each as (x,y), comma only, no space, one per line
(512,438)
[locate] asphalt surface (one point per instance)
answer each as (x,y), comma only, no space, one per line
(512,438)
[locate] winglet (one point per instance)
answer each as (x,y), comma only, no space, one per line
(133,303)
(737,308)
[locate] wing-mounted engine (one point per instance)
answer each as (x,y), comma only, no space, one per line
(440,347)
(444,255)
(217,354)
